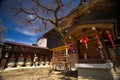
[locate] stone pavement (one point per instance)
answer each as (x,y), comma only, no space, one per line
(43,73)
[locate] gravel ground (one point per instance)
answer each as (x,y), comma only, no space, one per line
(37,74)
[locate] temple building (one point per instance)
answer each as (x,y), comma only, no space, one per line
(93,29)
(91,43)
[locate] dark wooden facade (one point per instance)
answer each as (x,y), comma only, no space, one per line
(54,39)
(17,49)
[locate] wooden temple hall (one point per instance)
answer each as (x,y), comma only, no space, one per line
(14,54)
(91,42)
(95,33)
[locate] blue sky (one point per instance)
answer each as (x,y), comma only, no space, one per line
(16,31)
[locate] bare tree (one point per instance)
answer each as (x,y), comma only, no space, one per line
(47,12)
(2,31)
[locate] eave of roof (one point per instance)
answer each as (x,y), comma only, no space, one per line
(25,45)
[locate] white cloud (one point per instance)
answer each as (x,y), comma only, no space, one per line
(30,16)
(27,31)
(10,39)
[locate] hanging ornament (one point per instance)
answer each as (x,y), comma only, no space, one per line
(98,41)
(85,40)
(99,48)
(110,38)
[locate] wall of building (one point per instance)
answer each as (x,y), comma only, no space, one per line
(54,40)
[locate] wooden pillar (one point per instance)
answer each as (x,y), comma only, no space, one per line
(105,50)
(77,49)
(113,56)
(67,55)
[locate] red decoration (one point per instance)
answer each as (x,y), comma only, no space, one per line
(99,42)
(110,38)
(46,58)
(12,56)
(28,56)
(21,56)
(99,48)
(41,58)
(85,40)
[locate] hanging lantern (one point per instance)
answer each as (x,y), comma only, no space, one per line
(85,40)
(110,38)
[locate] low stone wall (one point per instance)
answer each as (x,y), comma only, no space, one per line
(96,71)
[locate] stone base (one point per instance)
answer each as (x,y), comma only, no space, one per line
(10,65)
(96,71)
(47,63)
(20,64)
(28,63)
(42,64)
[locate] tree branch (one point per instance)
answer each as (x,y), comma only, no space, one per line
(42,6)
(46,12)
